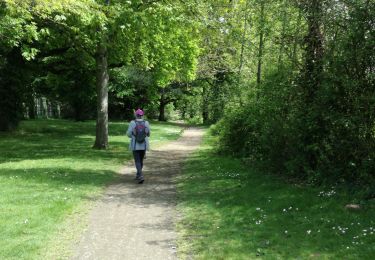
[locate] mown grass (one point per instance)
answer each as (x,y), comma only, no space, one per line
(230,211)
(48,171)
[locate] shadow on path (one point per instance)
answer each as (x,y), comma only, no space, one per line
(137,221)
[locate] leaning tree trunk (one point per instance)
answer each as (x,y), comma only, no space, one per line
(101,141)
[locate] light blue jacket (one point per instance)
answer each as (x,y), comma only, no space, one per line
(133,144)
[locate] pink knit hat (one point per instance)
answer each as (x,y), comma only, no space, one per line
(139,112)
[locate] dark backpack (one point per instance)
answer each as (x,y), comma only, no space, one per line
(140,131)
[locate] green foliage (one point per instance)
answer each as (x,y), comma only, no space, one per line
(315,121)
(61,38)
(257,129)
(129,88)
(189,106)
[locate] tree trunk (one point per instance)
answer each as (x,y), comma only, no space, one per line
(205,105)
(261,39)
(31,106)
(42,107)
(162,112)
(312,80)
(282,42)
(55,109)
(162,109)
(294,54)
(243,38)
(49,109)
(102,77)
(314,49)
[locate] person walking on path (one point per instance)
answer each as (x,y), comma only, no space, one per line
(139,132)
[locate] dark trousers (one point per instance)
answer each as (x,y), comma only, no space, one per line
(139,155)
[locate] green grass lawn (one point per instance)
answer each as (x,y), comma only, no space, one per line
(230,211)
(49,172)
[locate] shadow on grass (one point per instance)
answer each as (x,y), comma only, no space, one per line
(40,139)
(59,176)
(47,169)
(238,213)
(57,139)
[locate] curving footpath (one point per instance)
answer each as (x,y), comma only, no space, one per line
(137,221)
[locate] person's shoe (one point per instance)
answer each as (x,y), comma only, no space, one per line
(140,181)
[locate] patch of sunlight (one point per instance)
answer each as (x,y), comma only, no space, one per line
(48,163)
(91,137)
(118,138)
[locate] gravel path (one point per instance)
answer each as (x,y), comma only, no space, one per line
(137,221)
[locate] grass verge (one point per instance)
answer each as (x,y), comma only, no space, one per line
(230,211)
(49,174)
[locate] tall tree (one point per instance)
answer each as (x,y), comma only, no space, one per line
(261,40)
(312,76)
(102,78)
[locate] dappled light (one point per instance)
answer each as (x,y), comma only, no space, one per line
(47,171)
(253,215)
(283,90)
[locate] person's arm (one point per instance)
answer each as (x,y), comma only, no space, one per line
(148,129)
(129,133)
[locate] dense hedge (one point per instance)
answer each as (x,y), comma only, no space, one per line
(331,140)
